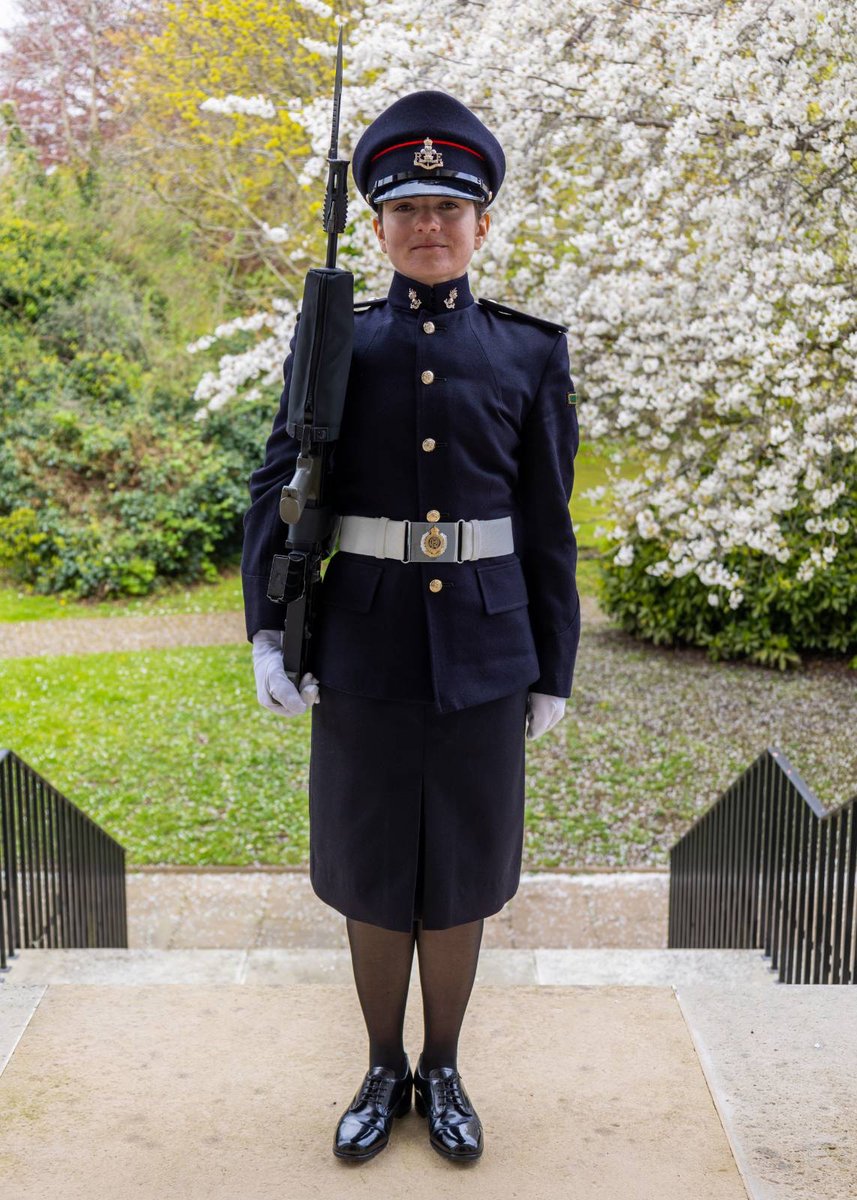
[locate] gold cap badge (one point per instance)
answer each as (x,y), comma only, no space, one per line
(428,157)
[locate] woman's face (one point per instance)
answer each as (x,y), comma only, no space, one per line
(430,238)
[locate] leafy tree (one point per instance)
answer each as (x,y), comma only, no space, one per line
(232,173)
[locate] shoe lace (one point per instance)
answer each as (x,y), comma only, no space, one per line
(373,1087)
(450,1091)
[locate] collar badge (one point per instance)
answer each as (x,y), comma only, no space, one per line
(414,298)
(428,157)
(451,298)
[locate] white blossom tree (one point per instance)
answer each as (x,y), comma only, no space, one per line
(681,192)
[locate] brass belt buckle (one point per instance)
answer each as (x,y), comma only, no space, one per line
(433,542)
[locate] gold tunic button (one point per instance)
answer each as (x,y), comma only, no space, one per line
(427,377)
(429,444)
(435,585)
(432,515)
(428,327)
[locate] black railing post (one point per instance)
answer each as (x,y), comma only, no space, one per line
(5,938)
(720,843)
(767,867)
(774,858)
(849,967)
(839,898)
(820,936)
(788,884)
(807,921)
(62,878)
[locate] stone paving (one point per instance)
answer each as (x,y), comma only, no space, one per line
(666,1074)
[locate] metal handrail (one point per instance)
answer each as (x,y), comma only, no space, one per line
(62,876)
(768,867)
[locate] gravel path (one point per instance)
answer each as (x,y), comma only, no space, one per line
(90,635)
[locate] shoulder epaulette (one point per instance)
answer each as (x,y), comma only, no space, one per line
(363,305)
(504,310)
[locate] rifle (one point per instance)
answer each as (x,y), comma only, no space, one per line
(322,360)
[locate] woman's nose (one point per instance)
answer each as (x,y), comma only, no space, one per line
(427,219)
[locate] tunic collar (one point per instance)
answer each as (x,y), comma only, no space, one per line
(443,297)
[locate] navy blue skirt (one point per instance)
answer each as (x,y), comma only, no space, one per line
(414,813)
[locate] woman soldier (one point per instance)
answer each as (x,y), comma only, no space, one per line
(448,619)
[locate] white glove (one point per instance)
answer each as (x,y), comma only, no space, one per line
(274,689)
(543,712)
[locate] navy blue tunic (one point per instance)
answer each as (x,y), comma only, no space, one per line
(498,404)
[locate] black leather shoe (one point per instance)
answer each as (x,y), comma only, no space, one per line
(364,1127)
(454,1128)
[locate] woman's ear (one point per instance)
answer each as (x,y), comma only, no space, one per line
(482,227)
(378,226)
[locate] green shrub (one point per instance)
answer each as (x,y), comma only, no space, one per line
(787,608)
(108,486)
(98,508)
(39,265)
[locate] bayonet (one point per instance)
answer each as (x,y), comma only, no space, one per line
(335,213)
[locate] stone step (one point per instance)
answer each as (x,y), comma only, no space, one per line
(781,1065)
(212,908)
(730,1086)
(592,967)
(220,1091)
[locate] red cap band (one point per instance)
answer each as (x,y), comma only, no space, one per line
(421,142)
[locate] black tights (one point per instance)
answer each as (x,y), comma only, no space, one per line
(382,960)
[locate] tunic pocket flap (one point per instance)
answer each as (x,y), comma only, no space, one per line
(503,586)
(350,583)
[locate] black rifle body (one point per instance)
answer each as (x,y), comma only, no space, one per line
(319,381)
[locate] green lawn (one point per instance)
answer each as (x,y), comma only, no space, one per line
(171,753)
(167,749)
(18,604)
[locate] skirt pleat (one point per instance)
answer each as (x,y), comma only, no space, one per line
(416,813)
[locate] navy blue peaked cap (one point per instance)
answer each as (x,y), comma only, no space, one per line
(428,143)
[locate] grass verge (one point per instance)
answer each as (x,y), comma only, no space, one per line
(171,753)
(18,604)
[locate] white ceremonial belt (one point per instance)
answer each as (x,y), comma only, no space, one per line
(426,541)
